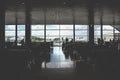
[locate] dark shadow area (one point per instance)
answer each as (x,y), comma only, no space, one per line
(90,63)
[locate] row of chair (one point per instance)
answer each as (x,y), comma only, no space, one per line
(101,59)
(16,61)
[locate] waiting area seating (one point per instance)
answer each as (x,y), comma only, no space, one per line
(102,60)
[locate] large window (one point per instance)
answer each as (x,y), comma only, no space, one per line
(10,33)
(59,32)
(52,32)
(66,31)
(107,32)
(20,33)
(37,33)
(97,32)
(117,34)
(81,33)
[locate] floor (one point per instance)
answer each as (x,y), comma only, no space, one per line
(57,59)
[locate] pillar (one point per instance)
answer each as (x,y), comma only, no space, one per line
(28,23)
(91,21)
(2,24)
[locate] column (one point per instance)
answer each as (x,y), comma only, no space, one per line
(91,21)
(101,23)
(44,25)
(113,25)
(2,24)
(28,23)
(16,23)
(73,14)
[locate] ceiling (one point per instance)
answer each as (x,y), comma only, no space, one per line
(106,12)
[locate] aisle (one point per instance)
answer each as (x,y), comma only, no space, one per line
(57,59)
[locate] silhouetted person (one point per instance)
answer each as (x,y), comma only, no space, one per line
(99,41)
(102,41)
(22,42)
(119,45)
(113,41)
(63,45)
(71,41)
(66,40)
(66,48)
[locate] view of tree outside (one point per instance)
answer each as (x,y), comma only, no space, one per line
(10,33)
(59,33)
(37,33)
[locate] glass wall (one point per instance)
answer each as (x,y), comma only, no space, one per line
(81,33)
(9,33)
(20,33)
(117,34)
(52,33)
(37,33)
(107,32)
(59,32)
(97,32)
(66,31)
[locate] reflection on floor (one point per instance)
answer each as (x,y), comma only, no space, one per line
(58,68)
(57,59)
